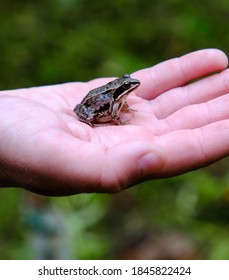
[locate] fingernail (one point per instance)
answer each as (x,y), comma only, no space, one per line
(150,163)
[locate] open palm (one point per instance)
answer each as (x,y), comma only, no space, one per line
(178,126)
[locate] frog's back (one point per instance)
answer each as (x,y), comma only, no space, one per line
(99,91)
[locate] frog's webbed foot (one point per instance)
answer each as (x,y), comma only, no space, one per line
(127,108)
(117,120)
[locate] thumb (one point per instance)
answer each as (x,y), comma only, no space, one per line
(135,161)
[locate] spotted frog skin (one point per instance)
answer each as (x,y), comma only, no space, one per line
(104,104)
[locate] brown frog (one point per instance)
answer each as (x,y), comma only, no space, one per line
(104,104)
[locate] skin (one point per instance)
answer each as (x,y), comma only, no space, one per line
(179,126)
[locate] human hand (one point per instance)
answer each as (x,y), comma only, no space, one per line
(179,126)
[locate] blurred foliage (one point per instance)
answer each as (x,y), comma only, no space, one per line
(55,41)
(45,42)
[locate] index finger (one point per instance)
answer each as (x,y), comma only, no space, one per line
(179,71)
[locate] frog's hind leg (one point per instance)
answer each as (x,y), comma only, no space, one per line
(84,120)
(81,117)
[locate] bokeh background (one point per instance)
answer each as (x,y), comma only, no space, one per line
(56,41)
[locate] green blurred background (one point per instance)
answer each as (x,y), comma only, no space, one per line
(56,41)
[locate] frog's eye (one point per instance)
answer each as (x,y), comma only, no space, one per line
(126,85)
(126,76)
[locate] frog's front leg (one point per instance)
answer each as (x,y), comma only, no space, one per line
(117,109)
(117,120)
(127,108)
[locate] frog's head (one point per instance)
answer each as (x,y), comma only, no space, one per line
(125,85)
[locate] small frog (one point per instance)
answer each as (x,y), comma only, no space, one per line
(104,104)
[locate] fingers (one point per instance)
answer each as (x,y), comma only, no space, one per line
(179,71)
(196,115)
(191,149)
(194,93)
